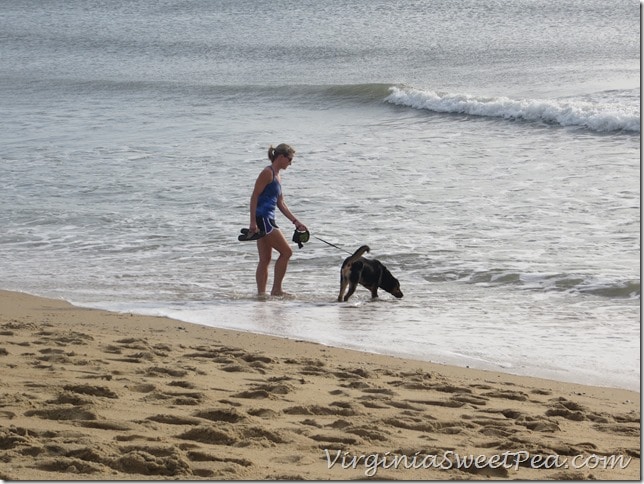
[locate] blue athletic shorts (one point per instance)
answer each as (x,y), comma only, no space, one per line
(265,224)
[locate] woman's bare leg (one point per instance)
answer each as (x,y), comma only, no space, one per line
(264,249)
(278,242)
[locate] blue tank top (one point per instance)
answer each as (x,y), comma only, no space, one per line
(267,200)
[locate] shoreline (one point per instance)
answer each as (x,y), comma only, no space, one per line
(558,372)
(564,372)
(92,395)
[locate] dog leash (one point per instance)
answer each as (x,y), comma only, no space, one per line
(332,245)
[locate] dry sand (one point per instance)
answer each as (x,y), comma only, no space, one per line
(92,395)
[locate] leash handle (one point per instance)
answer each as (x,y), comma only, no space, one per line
(332,245)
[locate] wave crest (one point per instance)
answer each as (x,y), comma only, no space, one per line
(601,117)
(554,282)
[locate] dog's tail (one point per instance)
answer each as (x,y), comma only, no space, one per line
(358,253)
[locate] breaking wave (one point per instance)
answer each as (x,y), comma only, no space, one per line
(553,282)
(596,116)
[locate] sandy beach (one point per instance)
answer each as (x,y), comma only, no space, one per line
(92,395)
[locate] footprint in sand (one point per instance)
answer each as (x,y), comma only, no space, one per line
(265,413)
(175,420)
(343,409)
(70,398)
(93,390)
(105,425)
(228,415)
(367,433)
(198,456)
(151,461)
(63,338)
(265,390)
(177,398)
(142,387)
(133,343)
(208,434)
(161,371)
(508,395)
(335,440)
(63,413)
(70,466)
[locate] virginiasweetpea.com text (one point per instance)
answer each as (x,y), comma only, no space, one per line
(373,462)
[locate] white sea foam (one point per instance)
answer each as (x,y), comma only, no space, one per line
(602,117)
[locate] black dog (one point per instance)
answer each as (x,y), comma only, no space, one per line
(371,273)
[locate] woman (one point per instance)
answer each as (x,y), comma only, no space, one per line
(267,195)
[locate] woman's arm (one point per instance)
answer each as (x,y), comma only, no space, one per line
(281,204)
(264,178)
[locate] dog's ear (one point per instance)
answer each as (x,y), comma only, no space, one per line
(388,279)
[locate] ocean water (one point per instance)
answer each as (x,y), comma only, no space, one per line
(488,152)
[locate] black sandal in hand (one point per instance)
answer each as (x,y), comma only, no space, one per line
(246,235)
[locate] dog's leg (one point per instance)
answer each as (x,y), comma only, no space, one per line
(343,286)
(379,271)
(352,289)
(354,279)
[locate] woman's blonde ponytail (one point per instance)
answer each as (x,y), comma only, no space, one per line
(282,149)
